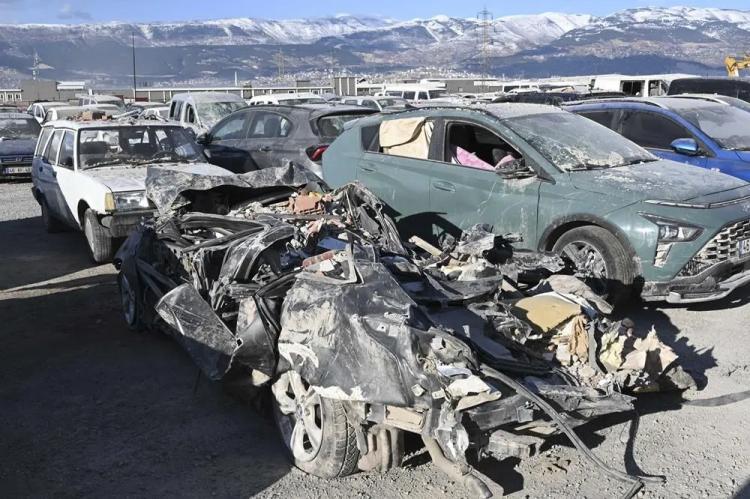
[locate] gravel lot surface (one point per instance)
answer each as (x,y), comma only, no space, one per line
(88,408)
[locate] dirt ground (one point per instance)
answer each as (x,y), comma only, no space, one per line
(90,409)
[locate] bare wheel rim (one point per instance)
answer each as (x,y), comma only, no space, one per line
(88,231)
(590,265)
(300,416)
(127,297)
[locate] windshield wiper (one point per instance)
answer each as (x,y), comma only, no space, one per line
(588,166)
(635,161)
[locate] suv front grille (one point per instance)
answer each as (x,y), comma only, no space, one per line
(723,247)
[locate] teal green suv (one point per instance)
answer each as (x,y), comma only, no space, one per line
(625,218)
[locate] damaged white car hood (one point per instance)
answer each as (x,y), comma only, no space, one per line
(133,178)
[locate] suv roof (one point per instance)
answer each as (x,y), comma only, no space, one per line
(661,102)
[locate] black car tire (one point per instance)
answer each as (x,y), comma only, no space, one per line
(620,269)
(51,224)
(338,454)
(98,237)
(131,303)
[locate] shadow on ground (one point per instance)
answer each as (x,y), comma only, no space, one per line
(90,408)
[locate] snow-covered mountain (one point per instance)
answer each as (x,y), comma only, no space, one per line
(651,39)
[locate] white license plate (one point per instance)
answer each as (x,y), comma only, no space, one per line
(744,247)
(17,169)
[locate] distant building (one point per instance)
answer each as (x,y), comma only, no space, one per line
(41,90)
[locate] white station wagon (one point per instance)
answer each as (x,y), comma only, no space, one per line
(91,175)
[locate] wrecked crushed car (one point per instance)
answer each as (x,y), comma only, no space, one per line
(481,350)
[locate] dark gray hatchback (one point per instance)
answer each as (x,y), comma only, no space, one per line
(265,136)
(18,136)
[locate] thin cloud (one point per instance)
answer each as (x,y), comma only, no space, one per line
(69,13)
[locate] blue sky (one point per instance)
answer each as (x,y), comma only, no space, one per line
(78,11)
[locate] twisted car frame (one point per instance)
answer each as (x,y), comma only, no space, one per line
(359,336)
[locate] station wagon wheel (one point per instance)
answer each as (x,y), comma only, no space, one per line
(99,239)
(51,224)
(314,428)
(600,260)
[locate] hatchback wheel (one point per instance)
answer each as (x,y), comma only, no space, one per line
(314,428)
(600,261)
(131,307)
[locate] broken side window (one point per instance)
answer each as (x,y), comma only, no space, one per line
(408,137)
(477,147)
(269,125)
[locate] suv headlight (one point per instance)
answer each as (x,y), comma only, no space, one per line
(673,231)
(670,232)
(132,200)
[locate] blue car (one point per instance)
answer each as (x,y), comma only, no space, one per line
(698,132)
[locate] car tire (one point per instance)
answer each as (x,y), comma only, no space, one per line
(336,453)
(51,224)
(590,248)
(98,237)
(131,303)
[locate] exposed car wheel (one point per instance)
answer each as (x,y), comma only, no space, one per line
(51,224)
(600,260)
(314,428)
(98,237)
(131,304)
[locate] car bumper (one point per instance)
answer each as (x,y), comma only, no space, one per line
(714,283)
(121,224)
(15,171)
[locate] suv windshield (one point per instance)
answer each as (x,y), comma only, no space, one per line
(134,145)
(572,142)
(728,126)
(19,128)
(212,112)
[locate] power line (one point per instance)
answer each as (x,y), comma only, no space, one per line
(486,28)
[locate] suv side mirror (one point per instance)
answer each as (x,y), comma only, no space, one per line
(688,147)
(203,139)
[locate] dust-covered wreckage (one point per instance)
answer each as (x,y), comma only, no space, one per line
(480,349)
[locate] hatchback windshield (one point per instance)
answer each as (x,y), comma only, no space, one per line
(212,112)
(134,145)
(572,142)
(19,128)
(331,126)
(728,126)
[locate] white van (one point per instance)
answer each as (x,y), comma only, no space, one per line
(414,92)
(636,86)
(99,99)
(202,110)
(288,99)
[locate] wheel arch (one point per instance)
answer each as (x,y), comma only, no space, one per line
(81,211)
(556,229)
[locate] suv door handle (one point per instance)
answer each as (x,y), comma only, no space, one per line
(444,186)
(367,168)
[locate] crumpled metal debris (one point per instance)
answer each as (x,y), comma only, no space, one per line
(269,271)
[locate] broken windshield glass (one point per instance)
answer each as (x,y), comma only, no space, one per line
(19,128)
(571,142)
(212,112)
(134,145)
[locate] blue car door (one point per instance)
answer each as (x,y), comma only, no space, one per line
(656,132)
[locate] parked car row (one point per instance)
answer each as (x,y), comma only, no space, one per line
(608,197)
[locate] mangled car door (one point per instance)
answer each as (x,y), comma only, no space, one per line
(482,180)
(396,167)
